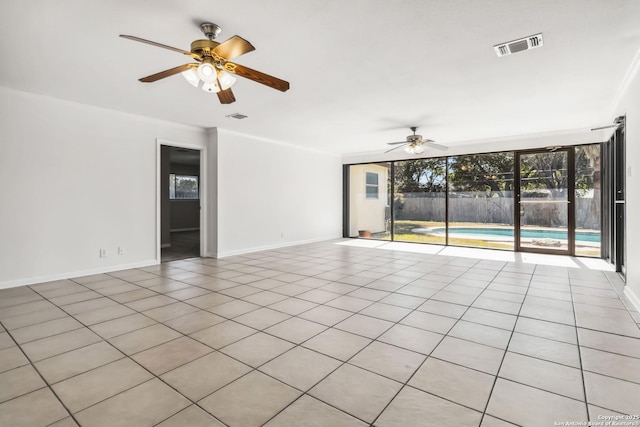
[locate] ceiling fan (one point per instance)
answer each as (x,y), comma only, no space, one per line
(415,143)
(213,67)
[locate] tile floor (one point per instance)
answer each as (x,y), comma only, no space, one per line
(325,334)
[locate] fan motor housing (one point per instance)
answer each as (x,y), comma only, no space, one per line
(203,47)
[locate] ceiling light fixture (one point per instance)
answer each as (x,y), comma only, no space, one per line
(414,148)
(213,78)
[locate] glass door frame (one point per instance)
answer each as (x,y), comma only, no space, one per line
(571,220)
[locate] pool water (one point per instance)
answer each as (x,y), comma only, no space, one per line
(584,236)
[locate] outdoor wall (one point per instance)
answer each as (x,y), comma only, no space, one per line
(272,194)
(630,105)
(367,214)
(76,179)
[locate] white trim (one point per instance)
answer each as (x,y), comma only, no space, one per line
(203,192)
(633,298)
(269,247)
(70,275)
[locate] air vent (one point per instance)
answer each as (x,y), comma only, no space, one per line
(526,43)
(237,116)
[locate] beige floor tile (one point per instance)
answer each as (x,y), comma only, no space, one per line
(369,294)
(170,311)
(610,342)
(45,329)
(613,365)
(387,360)
(411,405)
(19,381)
(134,295)
(318,296)
(429,322)
(349,303)
(240,291)
(339,344)
(51,346)
(209,300)
(33,318)
(366,326)
(170,355)
(549,330)
(233,308)
(489,421)
(12,357)
(91,387)
(122,325)
(596,414)
(328,316)
(103,314)
(356,391)
(481,334)
(222,334)
(257,349)
(193,322)
(443,308)
(454,382)
(142,339)
(606,319)
(186,293)
(545,309)
(29,307)
(411,338)
(73,298)
(150,302)
(38,408)
(191,417)
(293,306)
(65,365)
(490,318)
(406,301)
(310,412)
(262,318)
(264,298)
(475,356)
(144,405)
(544,375)
(5,340)
(296,330)
(88,306)
(203,376)
(392,313)
(553,351)
(493,304)
(530,406)
(300,368)
(65,422)
(242,403)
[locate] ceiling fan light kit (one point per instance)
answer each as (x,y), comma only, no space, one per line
(213,72)
(415,144)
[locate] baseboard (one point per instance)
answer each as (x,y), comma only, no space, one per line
(72,274)
(270,247)
(633,298)
(184,229)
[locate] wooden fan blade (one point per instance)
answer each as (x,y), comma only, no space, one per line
(164,46)
(226,96)
(394,148)
(166,73)
(233,47)
(257,76)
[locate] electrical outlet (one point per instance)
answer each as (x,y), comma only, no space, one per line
(103,253)
(120,250)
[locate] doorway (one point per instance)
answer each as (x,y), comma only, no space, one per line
(180,203)
(544,190)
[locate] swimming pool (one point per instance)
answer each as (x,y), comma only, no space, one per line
(479,232)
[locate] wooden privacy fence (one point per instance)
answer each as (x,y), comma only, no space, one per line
(494,210)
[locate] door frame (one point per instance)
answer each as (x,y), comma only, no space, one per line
(571,220)
(202,188)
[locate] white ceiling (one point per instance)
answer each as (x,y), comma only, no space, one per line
(361,71)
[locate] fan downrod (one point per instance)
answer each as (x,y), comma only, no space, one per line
(210,30)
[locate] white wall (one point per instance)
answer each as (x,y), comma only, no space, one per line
(75,179)
(271,194)
(630,105)
(367,214)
